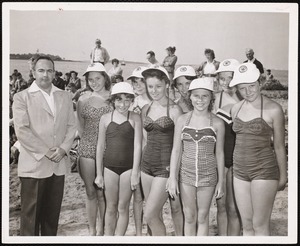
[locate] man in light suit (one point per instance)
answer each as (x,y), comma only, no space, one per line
(45,126)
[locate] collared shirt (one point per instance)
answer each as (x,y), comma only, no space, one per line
(98,55)
(251,60)
(49,98)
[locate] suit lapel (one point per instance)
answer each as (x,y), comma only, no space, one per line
(40,100)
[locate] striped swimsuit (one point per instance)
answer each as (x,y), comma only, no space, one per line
(198,162)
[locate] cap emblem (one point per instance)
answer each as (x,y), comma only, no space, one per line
(243,69)
(226,63)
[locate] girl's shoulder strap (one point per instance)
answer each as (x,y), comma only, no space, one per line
(240,108)
(148,108)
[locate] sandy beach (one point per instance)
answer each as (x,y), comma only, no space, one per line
(73,219)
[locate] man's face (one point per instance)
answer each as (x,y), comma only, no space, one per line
(98,44)
(249,54)
(44,73)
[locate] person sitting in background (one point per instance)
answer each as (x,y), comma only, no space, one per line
(20,83)
(75,94)
(58,81)
(151,58)
(31,79)
(67,78)
(13,81)
(15,72)
(74,79)
(269,75)
(118,78)
(209,67)
(115,70)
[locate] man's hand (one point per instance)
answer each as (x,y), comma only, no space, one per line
(57,155)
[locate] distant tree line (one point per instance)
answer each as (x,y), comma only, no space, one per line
(29,55)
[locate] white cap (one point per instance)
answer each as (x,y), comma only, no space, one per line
(228,65)
(156,67)
(95,67)
(137,73)
(184,71)
(202,83)
(245,73)
(122,87)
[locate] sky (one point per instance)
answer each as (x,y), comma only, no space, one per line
(129,31)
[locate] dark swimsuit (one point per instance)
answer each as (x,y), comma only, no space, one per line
(253,156)
(229,134)
(157,152)
(118,155)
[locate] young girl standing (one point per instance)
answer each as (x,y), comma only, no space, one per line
(259,171)
(227,214)
(199,149)
(159,119)
(90,108)
(119,152)
(139,86)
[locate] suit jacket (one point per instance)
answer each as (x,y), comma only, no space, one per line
(38,130)
(105,55)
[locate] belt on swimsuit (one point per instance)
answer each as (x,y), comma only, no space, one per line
(209,75)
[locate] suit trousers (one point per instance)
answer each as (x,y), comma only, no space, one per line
(40,205)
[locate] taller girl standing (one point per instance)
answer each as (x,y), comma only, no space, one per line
(199,149)
(258,170)
(91,106)
(158,121)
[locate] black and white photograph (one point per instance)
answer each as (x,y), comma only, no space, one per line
(134,122)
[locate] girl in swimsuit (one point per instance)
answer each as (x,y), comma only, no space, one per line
(90,107)
(227,214)
(119,151)
(141,99)
(258,170)
(198,153)
(158,122)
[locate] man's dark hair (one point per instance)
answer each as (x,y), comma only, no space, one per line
(151,53)
(36,58)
